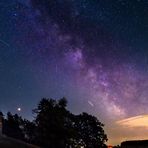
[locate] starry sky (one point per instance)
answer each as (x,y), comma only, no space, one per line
(93,52)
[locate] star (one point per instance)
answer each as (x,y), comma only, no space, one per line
(19,109)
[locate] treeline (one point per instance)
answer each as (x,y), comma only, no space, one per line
(56,127)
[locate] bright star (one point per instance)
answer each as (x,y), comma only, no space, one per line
(19,109)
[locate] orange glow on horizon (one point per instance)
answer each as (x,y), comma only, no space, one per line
(109,146)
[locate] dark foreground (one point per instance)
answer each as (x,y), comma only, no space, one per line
(6,142)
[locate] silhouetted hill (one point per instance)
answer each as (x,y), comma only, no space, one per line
(6,142)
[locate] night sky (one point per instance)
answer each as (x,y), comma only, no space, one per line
(93,52)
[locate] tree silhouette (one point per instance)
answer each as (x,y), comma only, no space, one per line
(57,127)
(118,146)
(12,126)
(50,121)
(90,131)
(29,130)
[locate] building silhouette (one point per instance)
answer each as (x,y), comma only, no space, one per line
(135,144)
(1,122)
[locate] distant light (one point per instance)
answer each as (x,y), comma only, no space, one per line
(19,109)
(109,146)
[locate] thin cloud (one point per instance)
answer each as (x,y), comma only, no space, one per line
(137,121)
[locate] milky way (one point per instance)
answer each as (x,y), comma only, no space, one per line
(92,52)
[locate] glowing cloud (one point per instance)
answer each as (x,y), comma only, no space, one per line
(137,121)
